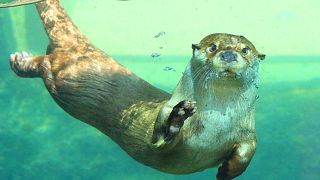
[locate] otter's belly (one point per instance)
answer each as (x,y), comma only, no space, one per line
(210,152)
(213,137)
(190,157)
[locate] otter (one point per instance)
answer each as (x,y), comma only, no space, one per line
(208,121)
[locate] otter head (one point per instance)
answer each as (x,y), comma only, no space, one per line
(226,56)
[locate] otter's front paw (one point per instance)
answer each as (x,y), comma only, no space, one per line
(178,115)
(184,109)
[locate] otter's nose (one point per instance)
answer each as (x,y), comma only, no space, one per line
(228,56)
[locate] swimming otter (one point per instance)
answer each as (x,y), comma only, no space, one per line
(208,120)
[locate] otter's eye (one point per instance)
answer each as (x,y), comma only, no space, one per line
(244,50)
(213,48)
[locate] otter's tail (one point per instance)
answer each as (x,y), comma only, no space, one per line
(61,31)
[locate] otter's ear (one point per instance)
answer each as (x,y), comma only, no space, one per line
(195,47)
(261,56)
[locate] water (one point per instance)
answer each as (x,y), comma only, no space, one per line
(38,140)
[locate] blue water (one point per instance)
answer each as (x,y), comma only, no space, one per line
(38,140)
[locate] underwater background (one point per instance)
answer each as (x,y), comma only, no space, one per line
(38,140)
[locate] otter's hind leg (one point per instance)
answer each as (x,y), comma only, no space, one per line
(237,162)
(26,65)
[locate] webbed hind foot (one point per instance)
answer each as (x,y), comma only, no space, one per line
(24,64)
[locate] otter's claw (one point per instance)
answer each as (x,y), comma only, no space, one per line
(184,109)
(188,107)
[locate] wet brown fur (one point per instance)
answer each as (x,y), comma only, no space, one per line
(91,86)
(94,88)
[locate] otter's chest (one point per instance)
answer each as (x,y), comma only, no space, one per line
(210,129)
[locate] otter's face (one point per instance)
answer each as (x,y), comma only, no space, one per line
(228,55)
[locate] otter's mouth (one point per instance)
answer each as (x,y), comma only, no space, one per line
(228,73)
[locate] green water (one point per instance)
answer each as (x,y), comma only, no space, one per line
(38,140)
(5,1)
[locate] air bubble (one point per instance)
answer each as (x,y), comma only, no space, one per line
(238,76)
